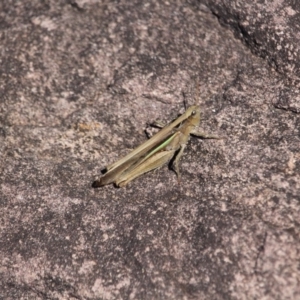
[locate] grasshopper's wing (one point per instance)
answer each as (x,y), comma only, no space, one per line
(126,167)
(135,157)
(155,140)
(116,169)
(154,159)
(112,175)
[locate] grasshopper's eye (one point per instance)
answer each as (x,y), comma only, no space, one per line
(193,112)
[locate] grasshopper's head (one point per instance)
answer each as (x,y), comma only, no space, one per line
(193,113)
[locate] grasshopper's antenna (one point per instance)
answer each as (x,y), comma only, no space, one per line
(197,87)
(184,100)
(192,93)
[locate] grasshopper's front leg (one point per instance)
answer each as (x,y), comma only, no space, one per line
(159,124)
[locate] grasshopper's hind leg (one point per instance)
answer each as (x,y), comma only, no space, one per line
(176,162)
(154,162)
(205,135)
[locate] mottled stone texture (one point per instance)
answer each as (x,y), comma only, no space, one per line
(80,80)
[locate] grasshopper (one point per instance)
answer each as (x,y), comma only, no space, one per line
(169,142)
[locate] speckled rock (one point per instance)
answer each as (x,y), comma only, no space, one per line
(80,81)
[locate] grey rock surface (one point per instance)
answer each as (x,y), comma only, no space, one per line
(80,81)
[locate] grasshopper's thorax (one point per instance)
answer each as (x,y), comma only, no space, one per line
(192,121)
